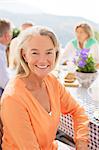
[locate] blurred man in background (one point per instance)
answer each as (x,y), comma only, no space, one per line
(5,38)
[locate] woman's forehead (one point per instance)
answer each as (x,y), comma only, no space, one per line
(38,38)
(39,41)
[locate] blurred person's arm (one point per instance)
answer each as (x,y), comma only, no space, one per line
(3,73)
(97,66)
(94,50)
(68,53)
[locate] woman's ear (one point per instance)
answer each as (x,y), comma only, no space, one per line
(23,53)
(57,55)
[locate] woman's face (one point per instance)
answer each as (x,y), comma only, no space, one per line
(40,55)
(81,35)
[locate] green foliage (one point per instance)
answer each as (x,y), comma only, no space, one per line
(96,35)
(16,32)
(85,62)
(89,67)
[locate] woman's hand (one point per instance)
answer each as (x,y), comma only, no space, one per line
(81,145)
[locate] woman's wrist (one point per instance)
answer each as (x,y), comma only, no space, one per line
(81,145)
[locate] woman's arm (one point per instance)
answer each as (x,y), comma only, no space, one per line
(94,50)
(81,121)
(16,119)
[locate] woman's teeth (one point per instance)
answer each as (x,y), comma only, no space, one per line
(42,67)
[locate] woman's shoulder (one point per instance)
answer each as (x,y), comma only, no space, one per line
(92,40)
(91,43)
(12,91)
(13,86)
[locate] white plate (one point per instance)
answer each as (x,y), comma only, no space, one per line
(62,146)
(96,114)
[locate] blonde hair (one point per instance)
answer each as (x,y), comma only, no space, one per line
(12,53)
(86,27)
(22,67)
(13,45)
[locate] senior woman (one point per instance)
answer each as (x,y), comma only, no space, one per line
(34,99)
(84,39)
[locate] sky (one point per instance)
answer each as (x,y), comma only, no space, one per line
(88,9)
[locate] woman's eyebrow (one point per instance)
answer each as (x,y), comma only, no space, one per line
(50,49)
(34,49)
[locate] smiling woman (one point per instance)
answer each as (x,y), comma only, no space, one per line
(34,48)
(40,55)
(34,99)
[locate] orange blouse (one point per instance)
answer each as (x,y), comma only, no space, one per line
(28,126)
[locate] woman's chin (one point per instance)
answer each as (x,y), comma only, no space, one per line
(42,74)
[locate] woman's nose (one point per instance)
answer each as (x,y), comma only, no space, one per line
(42,58)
